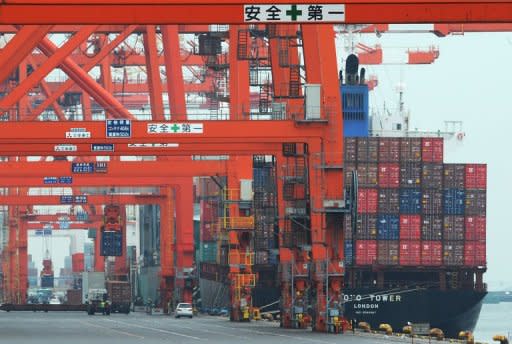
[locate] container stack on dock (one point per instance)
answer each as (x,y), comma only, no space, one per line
(413,210)
(209,202)
(265,210)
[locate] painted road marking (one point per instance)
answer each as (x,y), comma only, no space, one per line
(157,330)
(111,329)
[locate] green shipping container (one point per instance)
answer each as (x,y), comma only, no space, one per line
(208,252)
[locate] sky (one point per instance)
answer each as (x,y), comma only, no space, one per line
(470,81)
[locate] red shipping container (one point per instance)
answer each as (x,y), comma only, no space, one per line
(389,149)
(476,176)
(432,149)
(410,252)
(431,253)
(475,227)
(366,252)
(389,175)
(474,253)
(207,232)
(410,227)
(367,201)
(77,262)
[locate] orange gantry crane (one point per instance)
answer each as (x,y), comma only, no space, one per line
(308,136)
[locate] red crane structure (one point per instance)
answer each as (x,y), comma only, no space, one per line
(296,117)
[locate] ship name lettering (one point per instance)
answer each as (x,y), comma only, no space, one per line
(366,306)
(386,298)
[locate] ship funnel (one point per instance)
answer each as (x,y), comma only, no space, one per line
(361,76)
(352,69)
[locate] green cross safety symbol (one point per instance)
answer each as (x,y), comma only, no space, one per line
(294,12)
(175,128)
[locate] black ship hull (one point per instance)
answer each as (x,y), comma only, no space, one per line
(451,311)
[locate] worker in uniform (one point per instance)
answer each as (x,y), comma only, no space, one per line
(102,306)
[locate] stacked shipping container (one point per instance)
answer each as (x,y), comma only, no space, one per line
(413,210)
(209,202)
(264,205)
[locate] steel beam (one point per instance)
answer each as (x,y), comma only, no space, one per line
(232,11)
(105,51)
(226,132)
(174,72)
(153,73)
(86,82)
(125,149)
(59,55)
(16,200)
(19,47)
(116,169)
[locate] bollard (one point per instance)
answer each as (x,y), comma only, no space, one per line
(386,328)
(364,326)
(437,333)
(500,338)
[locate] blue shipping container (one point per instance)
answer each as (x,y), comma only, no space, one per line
(47,281)
(355,110)
(388,227)
(349,252)
(410,201)
(454,201)
(261,176)
(111,243)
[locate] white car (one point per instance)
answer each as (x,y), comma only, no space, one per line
(184,309)
(54,301)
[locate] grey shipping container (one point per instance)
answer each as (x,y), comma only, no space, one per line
(350,149)
(389,201)
(432,227)
(432,201)
(389,149)
(387,252)
(410,174)
(410,149)
(367,149)
(432,175)
(453,227)
(453,252)
(368,174)
(366,226)
(475,202)
(454,176)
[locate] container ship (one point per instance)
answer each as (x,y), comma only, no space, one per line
(416,251)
